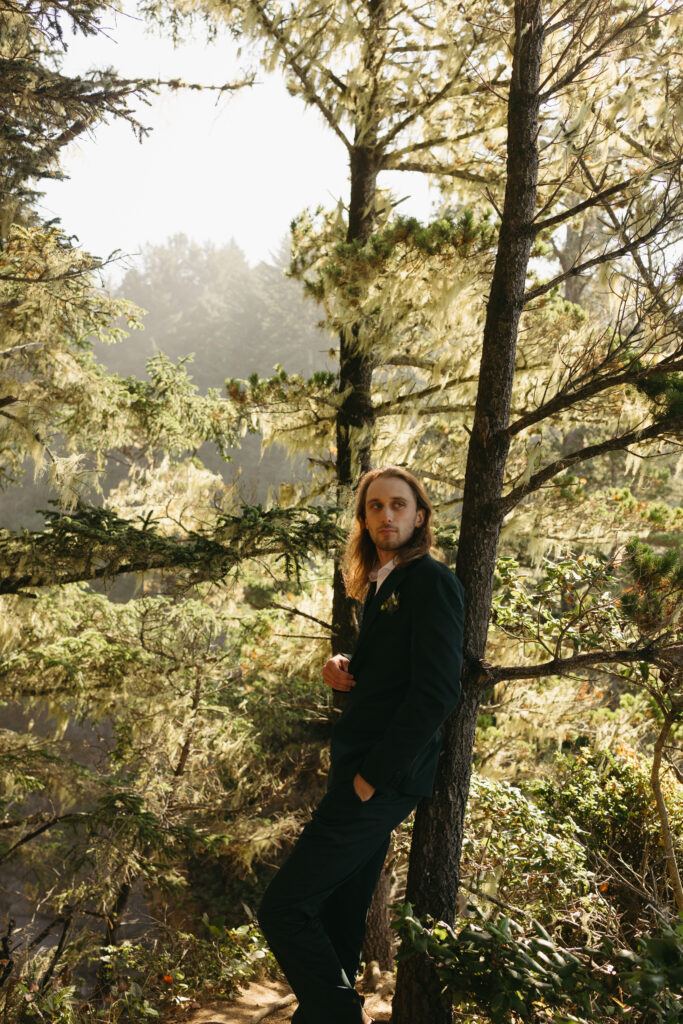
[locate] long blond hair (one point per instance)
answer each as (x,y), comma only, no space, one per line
(361,554)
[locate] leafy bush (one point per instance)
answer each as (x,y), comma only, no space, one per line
(147,981)
(515,851)
(505,969)
(610,799)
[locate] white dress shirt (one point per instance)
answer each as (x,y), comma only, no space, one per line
(379,575)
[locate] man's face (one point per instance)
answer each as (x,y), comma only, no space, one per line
(391,515)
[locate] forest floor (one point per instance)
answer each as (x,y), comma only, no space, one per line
(248,1007)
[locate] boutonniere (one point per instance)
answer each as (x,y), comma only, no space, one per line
(390,605)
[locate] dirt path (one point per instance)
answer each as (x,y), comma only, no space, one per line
(258,996)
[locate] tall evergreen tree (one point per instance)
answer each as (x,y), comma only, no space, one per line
(541,128)
(363,67)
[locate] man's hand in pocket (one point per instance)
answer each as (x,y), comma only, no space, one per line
(363,789)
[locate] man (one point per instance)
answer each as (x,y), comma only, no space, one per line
(402,681)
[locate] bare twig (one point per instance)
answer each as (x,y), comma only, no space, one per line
(671,424)
(604,257)
(66,927)
(672,713)
(296,611)
(598,198)
(272,1008)
(74,816)
(578,662)
(566,399)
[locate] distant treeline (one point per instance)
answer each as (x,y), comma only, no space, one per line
(206,300)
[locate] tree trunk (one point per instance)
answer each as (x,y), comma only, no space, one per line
(433,876)
(379,938)
(354,430)
(355,418)
(105,974)
(670,717)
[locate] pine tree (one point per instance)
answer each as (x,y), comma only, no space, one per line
(554,54)
(59,408)
(364,69)
(550,142)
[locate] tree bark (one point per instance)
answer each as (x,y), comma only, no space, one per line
(433,876)
(379,938)
(355,418)
(354,432)
(105,975)
(670,717)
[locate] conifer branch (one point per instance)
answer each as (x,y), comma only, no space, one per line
(391,404)
(424,106)
(17,350)
(297,611)
(605,257)
(177,83)
(577,662)
(93,543)
(56,956)
(58,820)
(415,361)
(670,714)
(443,478)
(435,168)
(310,94)
(596,386)
(390,158)
(668,425)
(45,277)
(645,274)
(416,147)
(606,41)
(430,410)
(597,199)
(674,767)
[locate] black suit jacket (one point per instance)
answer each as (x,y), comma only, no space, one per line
(406,664)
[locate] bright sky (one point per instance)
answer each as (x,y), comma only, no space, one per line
(240,169)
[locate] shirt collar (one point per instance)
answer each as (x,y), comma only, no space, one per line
(379,574)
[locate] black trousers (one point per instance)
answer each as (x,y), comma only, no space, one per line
(314,911)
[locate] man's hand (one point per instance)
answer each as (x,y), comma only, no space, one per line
(337,675)
(363,789)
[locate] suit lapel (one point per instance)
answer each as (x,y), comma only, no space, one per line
(366,605)
(375,602)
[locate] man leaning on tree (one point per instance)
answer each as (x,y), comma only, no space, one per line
(402,681)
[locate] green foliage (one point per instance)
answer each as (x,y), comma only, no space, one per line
(665,391)
(520,972)
(149,980)
(211,961)
(608,798)
(654,600)
(590,601)
(200,708)
(570,604)
(60,407)
(102,544)
(44,109)
(517,851)
(353,263)
(162,766)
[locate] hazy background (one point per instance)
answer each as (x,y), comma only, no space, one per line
(200,213)
(238,168)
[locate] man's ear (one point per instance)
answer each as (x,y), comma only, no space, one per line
(420,517)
